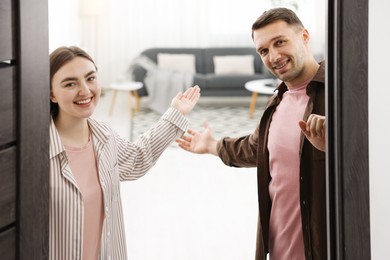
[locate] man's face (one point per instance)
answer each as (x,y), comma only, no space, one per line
(283,49)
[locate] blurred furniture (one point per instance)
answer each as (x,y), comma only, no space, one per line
(212,82)
(260,86)
(131,87)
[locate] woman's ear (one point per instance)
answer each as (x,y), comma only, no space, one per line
(52,98)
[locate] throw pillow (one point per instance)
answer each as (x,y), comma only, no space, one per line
(234,64)
(176,62)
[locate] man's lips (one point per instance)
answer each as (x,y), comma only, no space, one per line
(280,65)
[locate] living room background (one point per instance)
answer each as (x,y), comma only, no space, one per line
(114,32)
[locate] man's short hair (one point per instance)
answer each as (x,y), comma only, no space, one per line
(275,14)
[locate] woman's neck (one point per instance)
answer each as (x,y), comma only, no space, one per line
(73,132)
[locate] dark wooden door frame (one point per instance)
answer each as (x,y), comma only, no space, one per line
(32,60)
(347,157)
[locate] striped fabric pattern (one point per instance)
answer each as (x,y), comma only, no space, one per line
(118,160)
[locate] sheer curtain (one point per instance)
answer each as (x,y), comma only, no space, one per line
(116,31)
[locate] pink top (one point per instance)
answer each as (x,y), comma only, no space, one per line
(285,230)
(82,162)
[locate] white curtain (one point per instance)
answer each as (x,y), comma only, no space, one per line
(116,31)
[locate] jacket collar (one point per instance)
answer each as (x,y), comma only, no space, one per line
(319,77)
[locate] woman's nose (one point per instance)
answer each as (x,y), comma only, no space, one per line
(84,89)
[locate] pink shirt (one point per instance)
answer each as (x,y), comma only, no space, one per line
(82,162)
(285,230)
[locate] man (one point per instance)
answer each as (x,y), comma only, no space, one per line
(288,145)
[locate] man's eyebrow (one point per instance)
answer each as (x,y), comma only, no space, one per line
(271,40)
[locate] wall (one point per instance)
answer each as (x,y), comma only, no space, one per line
(117,33)
(379,129)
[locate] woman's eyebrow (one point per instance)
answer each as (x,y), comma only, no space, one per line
(90,73)
(68,79)
(74,78)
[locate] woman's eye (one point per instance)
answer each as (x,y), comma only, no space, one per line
(71,84)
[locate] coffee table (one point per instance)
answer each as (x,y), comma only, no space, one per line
(259,86)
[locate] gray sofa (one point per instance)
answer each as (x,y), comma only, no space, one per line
(210,83)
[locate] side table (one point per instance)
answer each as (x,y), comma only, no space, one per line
(259,86)
(132,88)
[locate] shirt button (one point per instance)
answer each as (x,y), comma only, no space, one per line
(304,202)
(106,208)
(301,178)
(108,233)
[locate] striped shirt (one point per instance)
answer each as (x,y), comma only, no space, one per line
(117,160)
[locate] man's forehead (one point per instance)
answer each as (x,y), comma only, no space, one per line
(272,31)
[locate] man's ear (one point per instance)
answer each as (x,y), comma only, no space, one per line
(305,35)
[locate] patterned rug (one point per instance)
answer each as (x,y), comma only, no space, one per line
(226,119)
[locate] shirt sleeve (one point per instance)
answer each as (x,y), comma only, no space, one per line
(135,159)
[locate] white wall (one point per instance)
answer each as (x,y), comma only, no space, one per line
(379,129)
(116,31)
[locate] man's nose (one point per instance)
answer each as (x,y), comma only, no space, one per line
(273,55)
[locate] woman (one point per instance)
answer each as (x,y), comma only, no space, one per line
(88,159)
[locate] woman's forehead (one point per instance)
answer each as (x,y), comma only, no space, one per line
(78,66)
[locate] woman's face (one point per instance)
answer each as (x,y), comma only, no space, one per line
(75,89)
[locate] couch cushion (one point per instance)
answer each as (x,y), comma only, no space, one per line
(176,62)
(234,65)
(209,54)
(212,81)
(198,52)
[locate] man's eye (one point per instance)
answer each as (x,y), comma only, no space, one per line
(92,78)
(71,84)
(263,52)
(279,42)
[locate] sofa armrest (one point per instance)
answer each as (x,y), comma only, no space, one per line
(138,74)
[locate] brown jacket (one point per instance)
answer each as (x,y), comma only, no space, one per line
(251,151)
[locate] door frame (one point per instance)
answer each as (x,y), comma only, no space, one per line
(348,206)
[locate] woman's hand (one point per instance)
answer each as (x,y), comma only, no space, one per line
(314,130)
(185,102)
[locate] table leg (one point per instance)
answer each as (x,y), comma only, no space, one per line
(253,104)
(112,101)
(130,106)
(137,100)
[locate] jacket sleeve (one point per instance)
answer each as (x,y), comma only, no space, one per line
(239,152)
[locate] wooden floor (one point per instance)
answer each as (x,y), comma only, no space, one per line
(188,207)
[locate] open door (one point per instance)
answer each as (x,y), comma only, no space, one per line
(24,128)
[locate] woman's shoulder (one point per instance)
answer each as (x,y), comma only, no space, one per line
(101,128)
